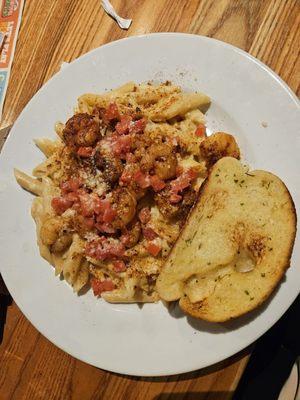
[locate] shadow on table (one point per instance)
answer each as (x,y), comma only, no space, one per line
(194,396)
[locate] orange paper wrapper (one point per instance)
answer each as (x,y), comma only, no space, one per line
(10,19)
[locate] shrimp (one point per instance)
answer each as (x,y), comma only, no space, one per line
(219,145)
(125,205)
(132,234)
(54,233)
(61,243)
(81,130)
(161,159)
(110,166)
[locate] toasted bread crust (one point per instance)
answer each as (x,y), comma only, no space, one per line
(232,293)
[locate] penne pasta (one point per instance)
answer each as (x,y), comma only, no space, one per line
(178,105)
(49,191)
(82,276)
(58,262)
(28,183)
(84,209)
(59,127)
(37,214)
(47,146)
(73,260)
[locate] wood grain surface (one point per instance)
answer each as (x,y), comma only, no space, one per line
(53,31)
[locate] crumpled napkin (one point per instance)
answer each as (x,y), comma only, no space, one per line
(108,8)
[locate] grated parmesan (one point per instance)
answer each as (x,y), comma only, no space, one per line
(69,213)
(94,181)
(90,236)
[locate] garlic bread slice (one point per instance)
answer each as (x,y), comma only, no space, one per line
(235,246)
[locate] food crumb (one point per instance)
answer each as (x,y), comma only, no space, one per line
(264,124)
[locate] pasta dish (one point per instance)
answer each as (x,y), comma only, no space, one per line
(118,183)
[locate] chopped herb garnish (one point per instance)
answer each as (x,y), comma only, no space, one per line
(247,293)
(242,204)
(262,274)
(251,298)
(236,181)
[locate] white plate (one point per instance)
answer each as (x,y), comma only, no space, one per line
(147,340)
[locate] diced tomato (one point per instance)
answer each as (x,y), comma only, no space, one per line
(70,185)
(60,204)
(72,196)
(175,198)
(192,173)
(179,170)
(130,158)
(138,126)
(126,176)
(122,127)
(88,204)
(104,211)
(76,206)
(102,286)
(85,151)
(81,191)
(97,248)
(121,145)
(149,233)
(183,181)
(102,248)
(180,183)
(153,248)
(112,113)
(119,266)
(201,130)
(100,206)
(117,249)
(89,222)
(109,215)
(105,227)
(125,238)
(145,215)
(157,183)
(142,180)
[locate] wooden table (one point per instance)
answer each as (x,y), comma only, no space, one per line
(56,31)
